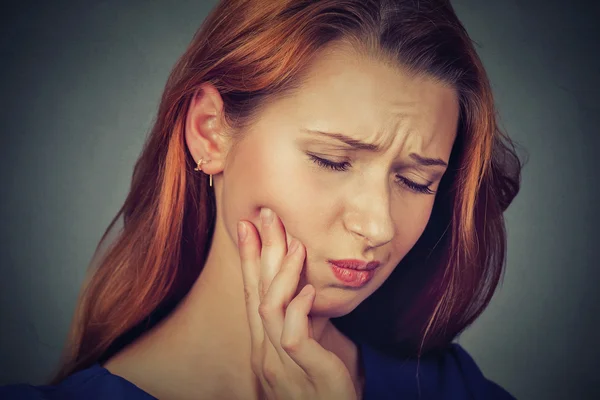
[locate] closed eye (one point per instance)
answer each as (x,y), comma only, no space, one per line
(343,166)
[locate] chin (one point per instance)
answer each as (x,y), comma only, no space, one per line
(333,306)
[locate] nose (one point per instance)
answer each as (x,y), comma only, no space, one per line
(369,216)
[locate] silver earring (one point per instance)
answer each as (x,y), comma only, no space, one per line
(199,168)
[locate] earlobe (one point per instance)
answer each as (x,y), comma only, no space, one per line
(204,132)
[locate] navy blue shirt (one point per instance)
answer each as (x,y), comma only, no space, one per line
(451,374)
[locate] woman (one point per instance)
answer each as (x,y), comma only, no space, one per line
(317,214)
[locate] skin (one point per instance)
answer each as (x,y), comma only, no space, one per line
(203,348)
(286,358)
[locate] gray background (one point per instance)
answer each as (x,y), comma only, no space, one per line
(79,89)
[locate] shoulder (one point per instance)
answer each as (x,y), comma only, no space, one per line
(93,383)
(448,374)
(460,364)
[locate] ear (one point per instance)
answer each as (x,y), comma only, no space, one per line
(204,131)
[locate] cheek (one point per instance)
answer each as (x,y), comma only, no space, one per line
(410,227)
(268,174)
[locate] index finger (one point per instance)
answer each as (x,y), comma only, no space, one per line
(250,264)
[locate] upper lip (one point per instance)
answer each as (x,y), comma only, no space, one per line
(356,264)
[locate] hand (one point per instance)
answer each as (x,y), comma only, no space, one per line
(289,363)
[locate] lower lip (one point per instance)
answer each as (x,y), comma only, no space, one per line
(352,277)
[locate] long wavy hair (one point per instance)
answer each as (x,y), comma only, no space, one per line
(254,52)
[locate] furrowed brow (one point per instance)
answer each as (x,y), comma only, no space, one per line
(354,143)
(427,162)
(360,145)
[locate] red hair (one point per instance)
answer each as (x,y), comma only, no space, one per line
(253,52)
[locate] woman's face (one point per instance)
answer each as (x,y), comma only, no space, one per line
(369,206)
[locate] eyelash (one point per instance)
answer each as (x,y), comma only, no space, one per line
(344,166)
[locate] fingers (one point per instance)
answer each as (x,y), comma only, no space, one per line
(297,341)
(280,294)
(284,351)
(249,251)
(271,271)
(273,248)
(262,255)
(283,286)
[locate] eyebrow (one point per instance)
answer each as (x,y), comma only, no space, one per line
(360,145)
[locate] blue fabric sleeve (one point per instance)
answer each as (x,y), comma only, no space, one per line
(94,383)
(450,375)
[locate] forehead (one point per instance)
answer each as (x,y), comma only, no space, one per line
(373,101)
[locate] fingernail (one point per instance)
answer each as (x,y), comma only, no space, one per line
(242,231)
(305,291)
(293,245)
(266,215)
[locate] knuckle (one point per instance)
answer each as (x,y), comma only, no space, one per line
(290,344)
(269,372)
(264,309)
(247,294)
(263,290)
(268,242)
